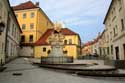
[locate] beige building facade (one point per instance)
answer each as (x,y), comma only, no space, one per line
(12,43)
(3,18)
(115,30)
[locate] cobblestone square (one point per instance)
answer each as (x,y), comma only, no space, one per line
(34,74)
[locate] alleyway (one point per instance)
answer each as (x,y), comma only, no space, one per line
(33,74)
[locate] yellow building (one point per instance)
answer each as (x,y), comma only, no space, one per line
(34,23)
(32,20)
(71,41)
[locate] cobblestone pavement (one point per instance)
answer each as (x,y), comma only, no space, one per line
(34,74)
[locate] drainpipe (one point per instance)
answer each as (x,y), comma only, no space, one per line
(123,7)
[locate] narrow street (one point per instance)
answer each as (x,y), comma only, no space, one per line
(34,74)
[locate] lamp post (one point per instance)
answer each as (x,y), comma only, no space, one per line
(1,27)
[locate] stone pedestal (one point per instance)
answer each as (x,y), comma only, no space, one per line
(56,60)
(56,56)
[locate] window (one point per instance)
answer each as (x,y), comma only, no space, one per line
(110,35)
(116,27)
(11,49)
(65,52)
(31,38)
(124,50)
(111,49)
(119,2)
(31,26)
(107,38)
(13,30)
(113,18)
(1,5)
(24,15)
(122,23)
(16,15)
(70,41)
(22,38)
(44,49)
(115,30)
(65,42)
(48,52)
(9,23)
(117,53)
(112,12)
(107,50)
(23,26)
(32,15)
(2,47)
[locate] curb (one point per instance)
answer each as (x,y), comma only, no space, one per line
(64,68)
(87,72)
(74,69)
(100,74)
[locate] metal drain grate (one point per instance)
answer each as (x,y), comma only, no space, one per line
(17,74)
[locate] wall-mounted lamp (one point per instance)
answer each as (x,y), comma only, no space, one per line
(2,26)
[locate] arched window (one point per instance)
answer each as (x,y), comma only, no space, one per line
(65,42)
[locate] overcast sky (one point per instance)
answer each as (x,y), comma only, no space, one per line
(82,16)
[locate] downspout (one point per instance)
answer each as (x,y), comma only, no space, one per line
(37,24)
(123,11)
(36,32)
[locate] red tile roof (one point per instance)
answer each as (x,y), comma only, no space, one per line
(26,5)
(88,44)
(66,31)
(43,39)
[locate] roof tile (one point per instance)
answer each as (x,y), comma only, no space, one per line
(26,5)
(43,39)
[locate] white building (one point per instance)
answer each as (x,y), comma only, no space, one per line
(3,18)
(10,37)
(13,37)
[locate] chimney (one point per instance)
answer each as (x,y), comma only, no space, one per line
(37,4)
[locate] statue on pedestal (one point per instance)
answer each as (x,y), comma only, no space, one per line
(56,55)
(56,41)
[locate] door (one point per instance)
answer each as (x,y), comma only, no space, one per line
(124,50)
(117,53)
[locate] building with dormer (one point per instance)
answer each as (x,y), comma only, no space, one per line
(72,44)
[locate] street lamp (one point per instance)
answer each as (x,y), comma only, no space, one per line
(1,27)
